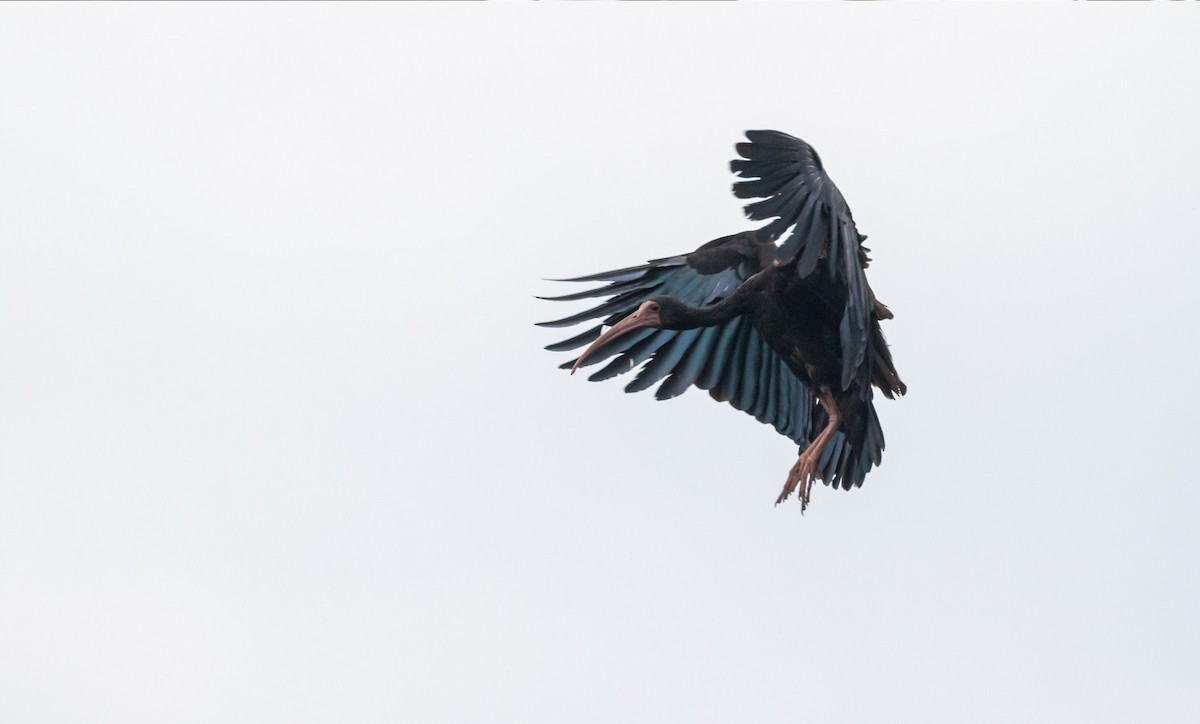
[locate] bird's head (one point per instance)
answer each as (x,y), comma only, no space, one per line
(655,313)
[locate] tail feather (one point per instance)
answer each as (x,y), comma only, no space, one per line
(855,449)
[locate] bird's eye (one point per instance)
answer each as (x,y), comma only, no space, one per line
(654,306)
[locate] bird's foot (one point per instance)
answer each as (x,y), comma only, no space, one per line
(801,475)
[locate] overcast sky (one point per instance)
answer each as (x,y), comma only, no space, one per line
(280,442)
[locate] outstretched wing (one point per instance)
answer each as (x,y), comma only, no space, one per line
(786,173)
(732,361)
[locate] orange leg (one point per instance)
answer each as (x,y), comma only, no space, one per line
(804,472)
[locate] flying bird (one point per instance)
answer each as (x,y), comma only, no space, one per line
(780,321)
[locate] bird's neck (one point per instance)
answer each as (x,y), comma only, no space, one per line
(742,301)
(689,317)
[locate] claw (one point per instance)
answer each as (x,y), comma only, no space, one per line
(804,472)
(802,475)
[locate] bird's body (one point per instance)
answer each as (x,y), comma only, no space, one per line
(788,332)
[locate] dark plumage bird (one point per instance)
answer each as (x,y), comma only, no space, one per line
(787,331)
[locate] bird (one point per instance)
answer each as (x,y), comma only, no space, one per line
(778,321)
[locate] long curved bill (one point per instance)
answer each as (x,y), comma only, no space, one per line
(645,316)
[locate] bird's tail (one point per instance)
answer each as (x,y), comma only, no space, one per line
(855,448)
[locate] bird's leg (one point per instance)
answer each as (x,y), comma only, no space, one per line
(804,472)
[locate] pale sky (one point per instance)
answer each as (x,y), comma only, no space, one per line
(280,443)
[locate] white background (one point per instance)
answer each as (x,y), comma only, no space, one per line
(279,443)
